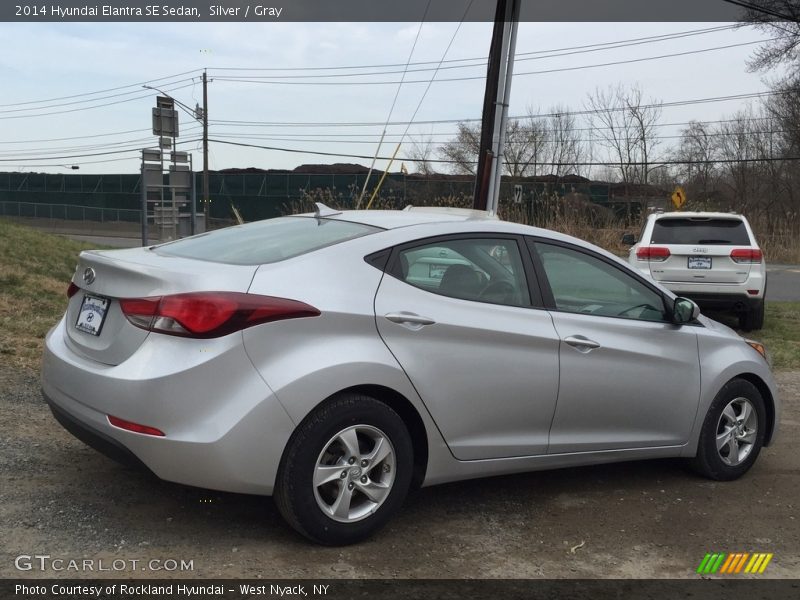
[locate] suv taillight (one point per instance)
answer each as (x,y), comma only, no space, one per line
(746,255)
(652,253)
(210,314)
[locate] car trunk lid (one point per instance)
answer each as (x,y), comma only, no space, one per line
(96,325)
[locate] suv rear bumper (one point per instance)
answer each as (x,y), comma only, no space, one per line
(716,301)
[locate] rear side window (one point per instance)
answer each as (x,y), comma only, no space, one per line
(723,232)
(266,241)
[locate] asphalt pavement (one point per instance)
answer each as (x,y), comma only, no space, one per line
(783,283)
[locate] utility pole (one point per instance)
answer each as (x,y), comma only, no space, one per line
(495,105)
(487,116)
(206,200)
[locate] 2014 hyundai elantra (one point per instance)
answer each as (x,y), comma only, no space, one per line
(335,360)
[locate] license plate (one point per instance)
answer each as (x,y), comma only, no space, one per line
(699,262)
(92,314)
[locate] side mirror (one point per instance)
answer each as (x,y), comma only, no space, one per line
(684,311)
(628,239)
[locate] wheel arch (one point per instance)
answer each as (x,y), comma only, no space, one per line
(769,402)
(412,419)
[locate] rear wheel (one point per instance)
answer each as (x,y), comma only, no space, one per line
(345,471)
(752,319)
(732,433)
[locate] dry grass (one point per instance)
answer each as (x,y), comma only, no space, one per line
(35,269)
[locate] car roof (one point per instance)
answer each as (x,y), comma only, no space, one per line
(698,215)
(411,215)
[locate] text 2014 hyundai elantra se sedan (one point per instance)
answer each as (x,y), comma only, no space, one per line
(335,360)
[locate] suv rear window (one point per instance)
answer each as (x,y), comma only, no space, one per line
(723,232)
(266,241)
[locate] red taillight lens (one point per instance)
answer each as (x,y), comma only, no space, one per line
(135,427)
(652,253)
(72,290)
(746,255)
(210,314)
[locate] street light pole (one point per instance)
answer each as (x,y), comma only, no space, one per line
(205,149)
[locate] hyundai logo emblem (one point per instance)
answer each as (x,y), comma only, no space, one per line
(89,275)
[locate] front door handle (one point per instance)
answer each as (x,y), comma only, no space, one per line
(581,343)
(409,318)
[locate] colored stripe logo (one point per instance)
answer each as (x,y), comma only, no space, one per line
(734,563)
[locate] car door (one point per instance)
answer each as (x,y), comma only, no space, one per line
(457,314)
(629,378)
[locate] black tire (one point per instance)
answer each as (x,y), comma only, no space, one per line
(753,319)
(709,461)
(297,498)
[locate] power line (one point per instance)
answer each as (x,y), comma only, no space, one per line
(114,89)
(477,77)
(77,137)
(17,152)
(761,9)
(671,104)
(72,110)
(551,164)
(599,46)
(452,135)
(106,153)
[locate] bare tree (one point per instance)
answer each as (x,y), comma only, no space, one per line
(565,150)
(784,47)
(422,152)
(462,151)
(534,145)
(626,127)
(522,153)
(696,151)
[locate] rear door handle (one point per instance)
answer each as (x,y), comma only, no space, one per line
(581,343)
(408,318)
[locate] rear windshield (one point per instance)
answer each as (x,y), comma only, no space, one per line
(728,232)
(266,241)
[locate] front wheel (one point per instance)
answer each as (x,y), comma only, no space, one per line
(732,433)
(345,471)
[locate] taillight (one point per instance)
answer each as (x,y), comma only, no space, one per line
(652,253)
(135,427)
(210,314)
(72,290)
(746,255)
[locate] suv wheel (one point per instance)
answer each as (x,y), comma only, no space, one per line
(752,319)
(345,471)
(732,433)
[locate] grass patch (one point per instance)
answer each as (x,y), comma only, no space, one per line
(781,334)
(35,270)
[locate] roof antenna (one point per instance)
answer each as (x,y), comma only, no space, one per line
(324,211)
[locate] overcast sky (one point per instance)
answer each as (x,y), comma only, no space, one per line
(44,61)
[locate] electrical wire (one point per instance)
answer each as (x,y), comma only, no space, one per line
(106,153)
(546,164)
(670,104)
(73,110)
(114,89)
(519,55)
(477,77)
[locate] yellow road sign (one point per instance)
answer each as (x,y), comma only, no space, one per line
(678,197)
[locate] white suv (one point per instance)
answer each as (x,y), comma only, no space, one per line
(712,258)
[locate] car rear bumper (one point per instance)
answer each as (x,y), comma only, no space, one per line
(224,429)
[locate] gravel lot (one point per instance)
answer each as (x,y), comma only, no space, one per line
(646,519)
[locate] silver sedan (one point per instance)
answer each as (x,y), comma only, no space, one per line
(336,360)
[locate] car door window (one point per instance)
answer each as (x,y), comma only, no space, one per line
(481,269)
(582,283)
